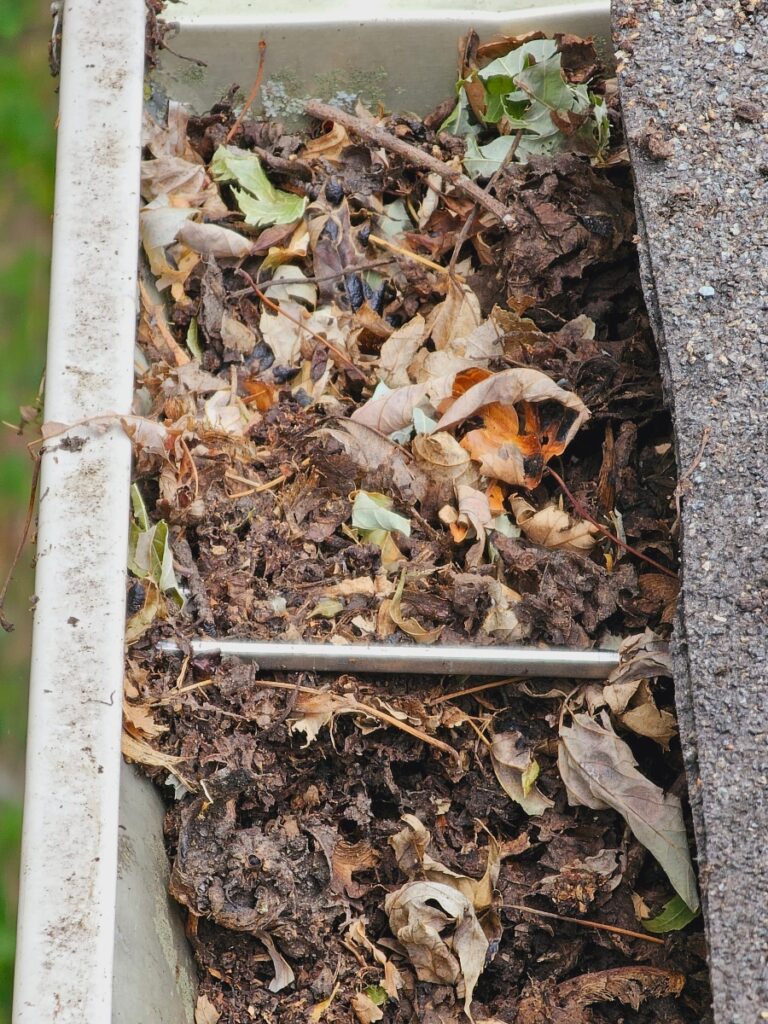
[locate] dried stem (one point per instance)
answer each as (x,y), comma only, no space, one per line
(585,924)
(580,510)
(254,90)
(467,227)
(341,357)
(4,622)
(472,689)
(376,135)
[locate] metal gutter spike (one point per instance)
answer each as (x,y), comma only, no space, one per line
(470,661)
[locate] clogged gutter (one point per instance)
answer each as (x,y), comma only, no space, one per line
(370,406)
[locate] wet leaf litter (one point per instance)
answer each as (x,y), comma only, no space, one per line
(396,383)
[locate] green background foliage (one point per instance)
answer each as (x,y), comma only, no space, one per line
(27,116)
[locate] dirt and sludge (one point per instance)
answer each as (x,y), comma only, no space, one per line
(396,383)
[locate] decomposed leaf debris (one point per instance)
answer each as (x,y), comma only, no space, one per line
(396,383)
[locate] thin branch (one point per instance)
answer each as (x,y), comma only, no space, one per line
(469,222)
(4,622)
(386,244)
(585,924)
(254,90)
(416,157)
(580,510)
(472,689)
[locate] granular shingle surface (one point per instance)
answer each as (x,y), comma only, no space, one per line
(694,85)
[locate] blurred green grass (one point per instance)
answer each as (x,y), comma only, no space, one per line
(27,115)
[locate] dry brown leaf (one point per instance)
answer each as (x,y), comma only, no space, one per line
(364,1008)
(348,858)
(140,722)
(398,351)
(408,624)
(443,457)
(317,1011)
(419,913)
(205,1011)
(472,518)
(141,753)
(237,336)
(600,771)
(329,146)
(501,621)
(456,317)
(506,449)
(391,982)
(213,240)
(517,770)
(552,527)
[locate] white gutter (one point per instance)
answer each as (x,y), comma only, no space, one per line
(69,853)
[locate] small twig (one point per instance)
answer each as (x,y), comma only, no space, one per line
(586,924)
(373,265)
(417,157)
(345,361)
(257,488)
(4,622)
(472,689)
(386,244)
(290,168)
(468,223)
(580,510)
(254,90)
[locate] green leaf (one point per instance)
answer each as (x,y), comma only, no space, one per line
(376,994)
(484,161)
(193,339)
(261,203)
(673,916)
(371,511)
(139,508)
(512,63)
(149,550)
(459,121)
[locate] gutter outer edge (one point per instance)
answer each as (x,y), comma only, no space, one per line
(64,961)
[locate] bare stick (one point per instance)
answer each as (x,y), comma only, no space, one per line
(254,90)
(417,157)
(580,510)
(472,689)
(467,227)
(585,924)
(341,357)
(8,626)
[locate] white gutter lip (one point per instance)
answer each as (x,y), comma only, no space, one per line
(69,846)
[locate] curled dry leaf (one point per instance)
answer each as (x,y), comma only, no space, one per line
(552,527)
(392,982)
(443,457)
(473,515)
(364,1008)
(213,240)
(237,336)
(506,448)
(599,771)
(408,624)
(517,770)
(348,858)
(456,317)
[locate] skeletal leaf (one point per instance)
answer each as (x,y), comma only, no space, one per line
(599,771)
(517,771)
(258,199)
